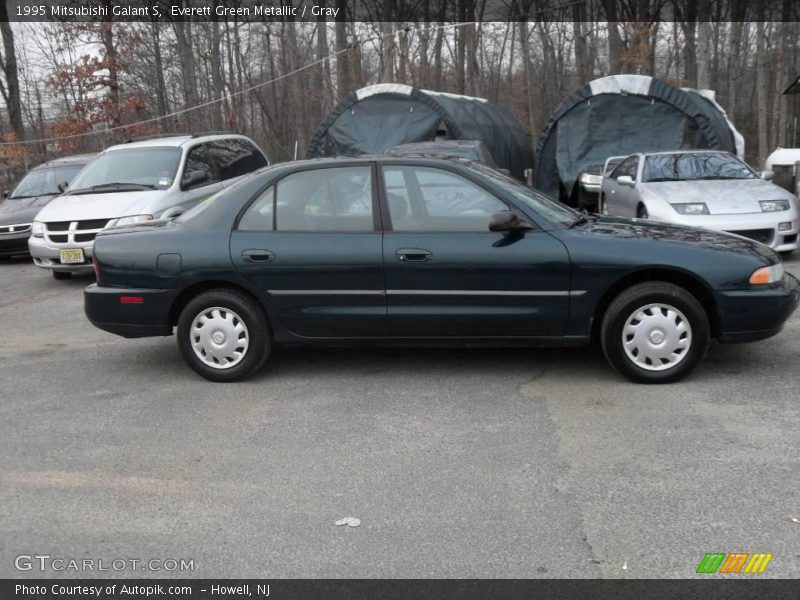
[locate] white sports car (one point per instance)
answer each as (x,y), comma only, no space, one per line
(703,188)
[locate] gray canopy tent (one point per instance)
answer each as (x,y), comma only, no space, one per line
(378,117)
(623,114)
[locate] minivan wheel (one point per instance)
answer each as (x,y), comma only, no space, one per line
(655,332)
(61,274)
(223,335)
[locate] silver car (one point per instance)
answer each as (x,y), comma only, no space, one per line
(144,180)
(703,188)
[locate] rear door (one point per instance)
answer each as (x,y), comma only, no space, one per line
(312,243)
(447,275)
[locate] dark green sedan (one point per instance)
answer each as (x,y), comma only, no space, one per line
(379,249)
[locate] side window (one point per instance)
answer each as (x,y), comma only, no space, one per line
(332,199)
(627,167)
(200,169)
(426,199)
(260,216)
(235,157)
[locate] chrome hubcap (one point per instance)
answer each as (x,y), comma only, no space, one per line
(657,337)
(219,337)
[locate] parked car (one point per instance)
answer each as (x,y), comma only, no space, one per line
(145,180)
(702,188)
(390,248)
(781,168)
(466,149)
(590,184)
(36,189)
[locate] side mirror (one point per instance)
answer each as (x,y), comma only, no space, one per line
(194,179)
(768,175)
(507,221)
(62,186)
(626,180)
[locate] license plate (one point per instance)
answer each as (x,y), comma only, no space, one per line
(71,256)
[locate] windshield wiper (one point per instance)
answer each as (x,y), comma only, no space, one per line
(32,196)
(101,187)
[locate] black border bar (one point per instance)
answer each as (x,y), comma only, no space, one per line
(750,588)
(402,11)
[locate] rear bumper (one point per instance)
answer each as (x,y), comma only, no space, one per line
(752,315)
(106,311)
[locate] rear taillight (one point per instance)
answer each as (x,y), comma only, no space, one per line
(131,300)
(96,268)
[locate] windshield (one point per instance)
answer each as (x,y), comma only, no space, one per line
(142,168)
(44,181)
(694,166)
(549,208)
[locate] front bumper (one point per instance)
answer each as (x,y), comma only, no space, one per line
(105,310)
(762,227)
(14,244)
(48,255)
(756,314)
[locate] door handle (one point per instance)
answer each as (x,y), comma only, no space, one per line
(258,256)
(413,255)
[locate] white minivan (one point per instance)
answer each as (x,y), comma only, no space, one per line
(142,180)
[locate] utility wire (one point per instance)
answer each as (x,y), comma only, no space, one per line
(251,88)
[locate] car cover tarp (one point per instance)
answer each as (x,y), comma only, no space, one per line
(374,119)
(623,114)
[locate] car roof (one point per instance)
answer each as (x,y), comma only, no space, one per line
(176,140)
(380,158)
(440,144)
(75,159)
(693,151)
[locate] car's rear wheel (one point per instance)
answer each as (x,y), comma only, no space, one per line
(223,335)
(641,212)
(655,332)
(61,274)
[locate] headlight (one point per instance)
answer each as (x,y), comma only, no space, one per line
(37,229)
(774,205)
(767,274)
(129,220)
(590,179)
(691,208)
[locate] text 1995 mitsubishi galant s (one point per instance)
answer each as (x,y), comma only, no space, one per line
(401,249)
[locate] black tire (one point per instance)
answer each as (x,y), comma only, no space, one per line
(61,275)
(588,201)
(257,333)
(641,212)
(634,299)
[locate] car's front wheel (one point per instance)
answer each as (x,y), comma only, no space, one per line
(223,335)
(655,332)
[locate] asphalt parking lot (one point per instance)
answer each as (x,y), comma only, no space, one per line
(459,463)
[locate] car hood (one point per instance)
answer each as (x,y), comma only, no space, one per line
(21,210)
(620,227)
(110,205)
(722,197)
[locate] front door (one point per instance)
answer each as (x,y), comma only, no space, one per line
(448,275)
(311,243)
